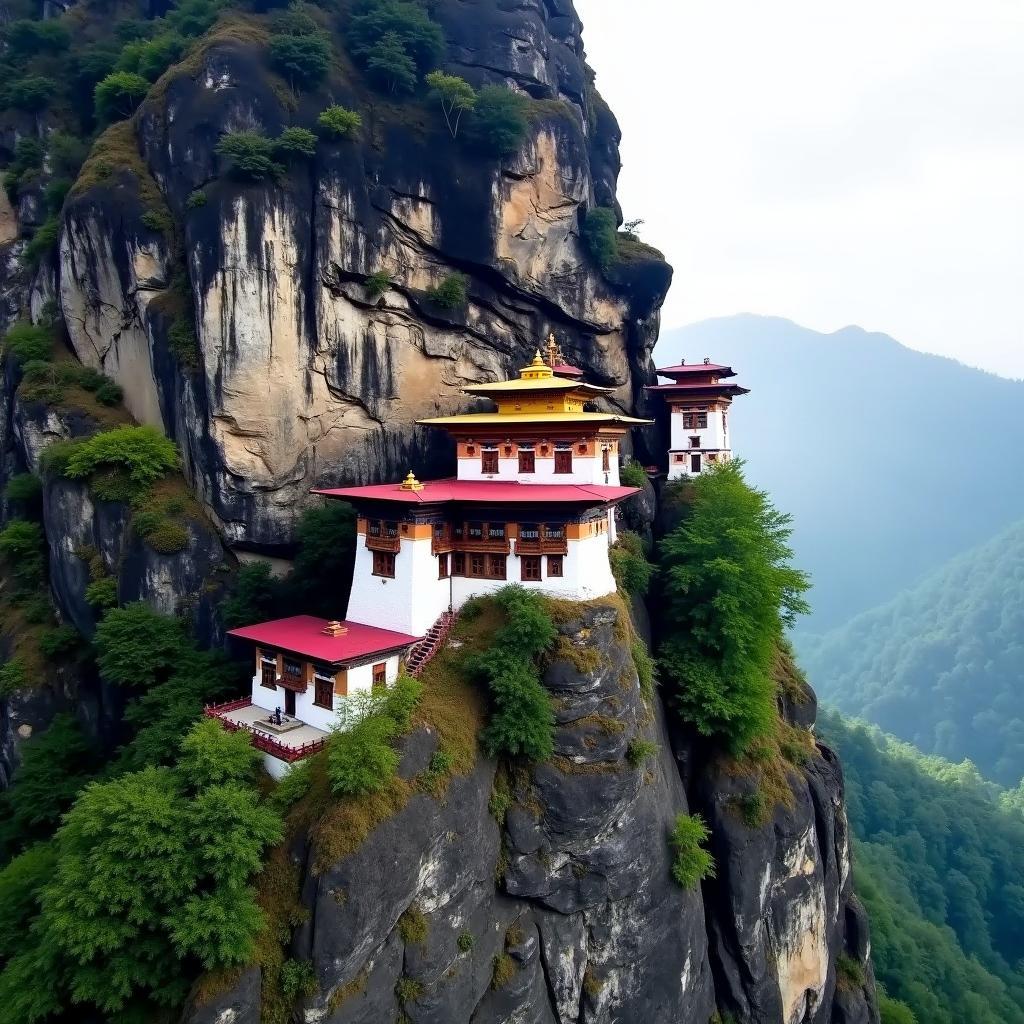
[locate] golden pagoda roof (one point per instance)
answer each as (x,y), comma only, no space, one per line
(538,376)
(486,419)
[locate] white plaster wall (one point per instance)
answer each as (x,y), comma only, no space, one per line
(409,603)
(586,469)
(360,678)
(712,437)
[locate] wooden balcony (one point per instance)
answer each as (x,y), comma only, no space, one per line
(383,542)
(491,546)
(542,546)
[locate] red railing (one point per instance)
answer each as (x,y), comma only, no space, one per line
(261,740)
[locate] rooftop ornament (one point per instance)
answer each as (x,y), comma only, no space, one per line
(410,483)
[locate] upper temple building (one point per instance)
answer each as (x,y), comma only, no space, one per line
(532,502)
(698,396)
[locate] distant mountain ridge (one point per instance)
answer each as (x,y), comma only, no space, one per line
(942,665)
(892,461)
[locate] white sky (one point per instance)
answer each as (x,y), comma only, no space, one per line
(834,164)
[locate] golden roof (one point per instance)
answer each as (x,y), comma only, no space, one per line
(538,376)
(484,419)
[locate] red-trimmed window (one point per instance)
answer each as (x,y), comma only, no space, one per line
(529,567)
(292,669)
(563,460)
(477,566)
(554,565)
(442,567)
(496,567)
(458,564)
(323,692)
(268,675)
(380,675)
(384,564)
(489,460)
(527,460)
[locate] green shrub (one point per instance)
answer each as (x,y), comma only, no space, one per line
(394,41)
(640,750)
(500,120)
(377,284)
(294,785)
(42,243)
(755,809)
(645,668)
(303,60)
(408,990)
(196,198)
(154,56)
(631,570)
(412,926)
(298,979)
(163,536)
(119,94)
(892,1011)
(633,474)
(25,489)
(183,341)
(59,642)
(455,96)
(157,220)
(295,141)
(67,154)
(13,677)
(338,123)
(599,235)
(503,970)
(108,393)
(849,973)
(294,21)
(255,594)
(465,942)
(21,882)
(135,646)
(55,193)
(143,453)
(29,155)
(450,293)
(28,36)
(691,863)
(729,590)
(31,93)
(22,545)
(102,593)
(28,343)
(522,720)
(250,155)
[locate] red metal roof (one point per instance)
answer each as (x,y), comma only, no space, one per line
(565,370)
(303,634)
(681,368)
(718,389)
(496,492)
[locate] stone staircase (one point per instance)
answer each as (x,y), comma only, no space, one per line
(421,654)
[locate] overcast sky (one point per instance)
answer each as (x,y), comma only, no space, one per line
(834,164)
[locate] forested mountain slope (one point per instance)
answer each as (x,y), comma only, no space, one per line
(942,665)
(939,863)
(890,460)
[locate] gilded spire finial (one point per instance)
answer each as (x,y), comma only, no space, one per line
(410,483)
(553,351)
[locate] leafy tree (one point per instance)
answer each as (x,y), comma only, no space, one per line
(55,765)
(390,65)
(691,863)
(136,646)
(22,545)
(152,869)
(26,491)
(20,884)
(322,568)
(211,756)
(455,96)
(629,565)
(27,36)
(151,58)
(28,342)
(295,141)
(251,155)
(450,293)
(255,595)
(142,452)
(894,1012)
(499,121)
(31,93)
(522,720)
(729,589)
(303,60)
(119,94)
(42,242)
(338,123)
(395,41)
(600,237)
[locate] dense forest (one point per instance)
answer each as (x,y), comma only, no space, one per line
(941,666)
(938,861)
(911,479)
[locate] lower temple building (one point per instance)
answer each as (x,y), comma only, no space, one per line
(533,503)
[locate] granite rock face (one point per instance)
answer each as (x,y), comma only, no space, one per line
(301,377)
(572,892)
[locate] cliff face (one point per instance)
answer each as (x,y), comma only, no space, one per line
(300,377)
(571,891)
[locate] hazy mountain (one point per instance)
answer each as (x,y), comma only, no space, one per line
(892,461)
(941,665)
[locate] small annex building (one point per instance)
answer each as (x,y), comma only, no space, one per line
(533,502)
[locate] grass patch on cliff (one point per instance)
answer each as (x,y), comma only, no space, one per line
(67,387)
(116,150)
